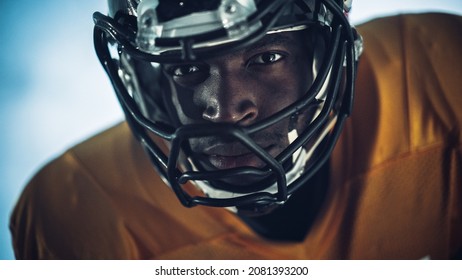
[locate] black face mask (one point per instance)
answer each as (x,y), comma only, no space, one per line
(122,33)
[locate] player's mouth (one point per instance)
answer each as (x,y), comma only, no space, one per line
(225,157)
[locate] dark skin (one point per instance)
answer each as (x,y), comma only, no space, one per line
(243,88)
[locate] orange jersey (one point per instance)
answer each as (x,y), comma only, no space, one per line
(395,189)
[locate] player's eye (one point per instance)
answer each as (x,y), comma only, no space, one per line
(265,58)
(183,70)
(188,74)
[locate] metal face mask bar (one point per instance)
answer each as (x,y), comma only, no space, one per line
(340,59)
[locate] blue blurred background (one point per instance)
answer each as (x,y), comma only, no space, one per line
(54,94)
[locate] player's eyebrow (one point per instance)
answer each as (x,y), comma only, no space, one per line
(271,40)
(279,39)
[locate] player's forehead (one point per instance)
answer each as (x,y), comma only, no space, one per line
(278,39)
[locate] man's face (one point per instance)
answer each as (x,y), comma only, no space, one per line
(242,88)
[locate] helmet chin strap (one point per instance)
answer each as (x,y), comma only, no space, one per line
(299,159)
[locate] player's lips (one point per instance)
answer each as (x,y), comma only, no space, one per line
(226,156)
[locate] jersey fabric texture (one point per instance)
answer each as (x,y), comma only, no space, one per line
(395,186)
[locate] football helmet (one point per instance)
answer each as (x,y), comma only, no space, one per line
(138,37)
